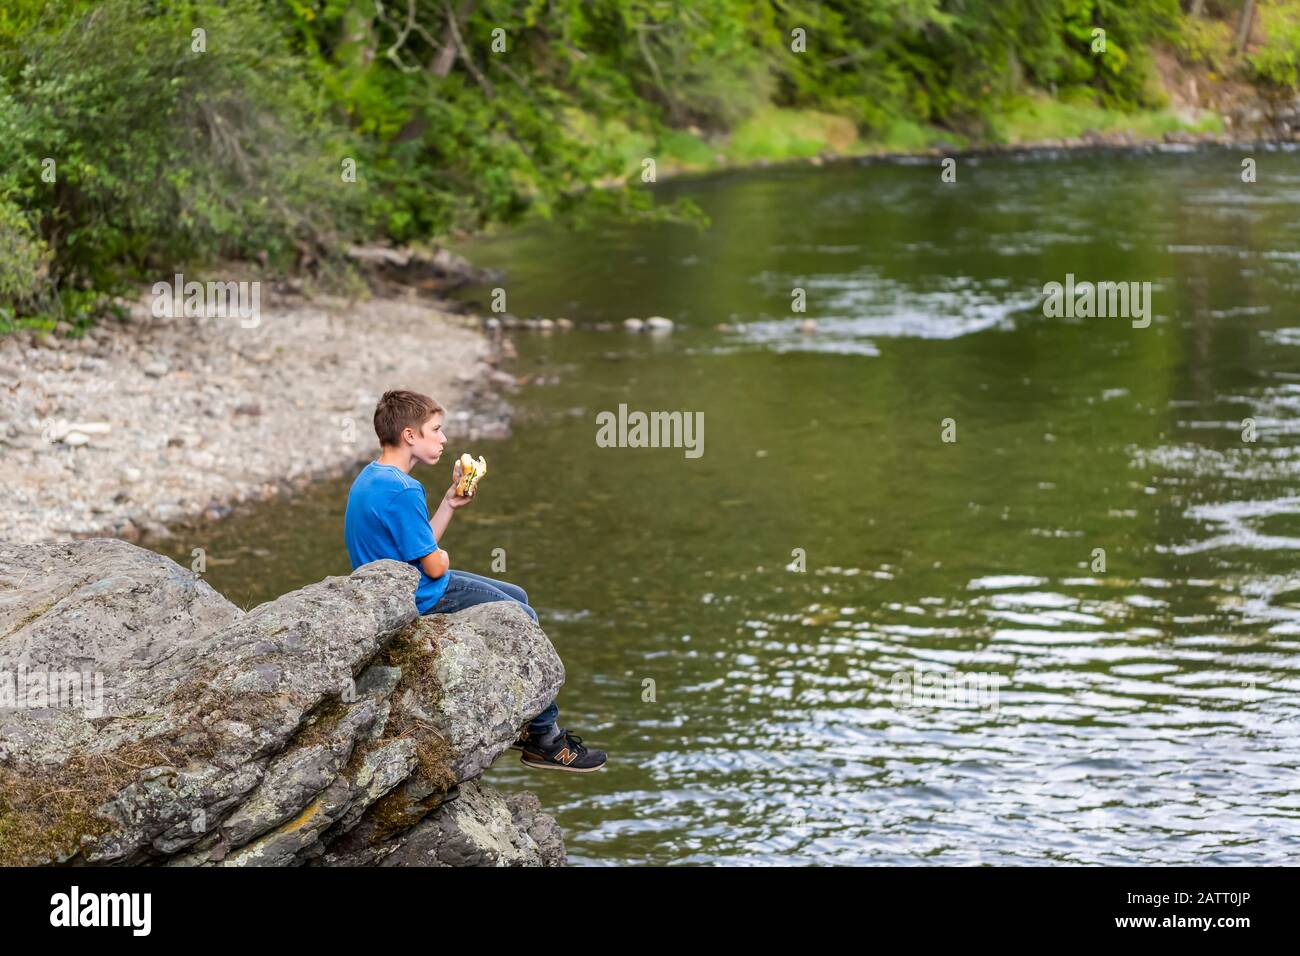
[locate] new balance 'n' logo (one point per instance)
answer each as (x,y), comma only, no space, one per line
(566,756)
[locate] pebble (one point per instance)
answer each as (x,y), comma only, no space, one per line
(564,325)
(658,324)
(91,428)
(156,369)
(62,431)
(216,512)
(808,326)
(633,325)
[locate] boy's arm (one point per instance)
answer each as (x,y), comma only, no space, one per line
(435,563)
(441,518)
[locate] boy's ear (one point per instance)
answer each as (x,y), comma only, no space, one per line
(408,435)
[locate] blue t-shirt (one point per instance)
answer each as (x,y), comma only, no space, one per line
(387,517)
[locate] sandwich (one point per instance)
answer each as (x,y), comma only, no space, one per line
(471,471)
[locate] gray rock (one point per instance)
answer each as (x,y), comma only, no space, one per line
(347,795)
(478,828)
(103,605)
(323,726)
(379,255)
(526,811)
(494,671)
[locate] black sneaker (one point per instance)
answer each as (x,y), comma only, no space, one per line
(566,752)
(521,741)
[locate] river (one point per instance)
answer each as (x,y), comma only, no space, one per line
(1072,634)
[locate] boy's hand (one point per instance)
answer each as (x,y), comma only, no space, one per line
(452,499)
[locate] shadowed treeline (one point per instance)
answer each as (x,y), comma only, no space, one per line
(138,137)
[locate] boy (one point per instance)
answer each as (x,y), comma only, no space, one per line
(387,517)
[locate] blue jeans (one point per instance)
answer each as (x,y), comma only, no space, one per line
(467,590)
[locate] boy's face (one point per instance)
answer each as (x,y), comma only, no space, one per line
(426,445)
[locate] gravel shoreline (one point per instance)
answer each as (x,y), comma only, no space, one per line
(184,419)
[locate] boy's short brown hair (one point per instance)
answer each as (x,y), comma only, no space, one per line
(398,410)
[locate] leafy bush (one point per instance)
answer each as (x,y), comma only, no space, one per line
(24,258)
(1274,63)
(135,149)
(1202,42)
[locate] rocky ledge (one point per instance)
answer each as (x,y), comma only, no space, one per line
(146,719)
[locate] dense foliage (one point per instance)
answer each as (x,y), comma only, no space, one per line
(136,135)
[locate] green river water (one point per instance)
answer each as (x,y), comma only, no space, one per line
(1144,713)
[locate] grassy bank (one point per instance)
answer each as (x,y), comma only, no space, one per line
(781,135)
